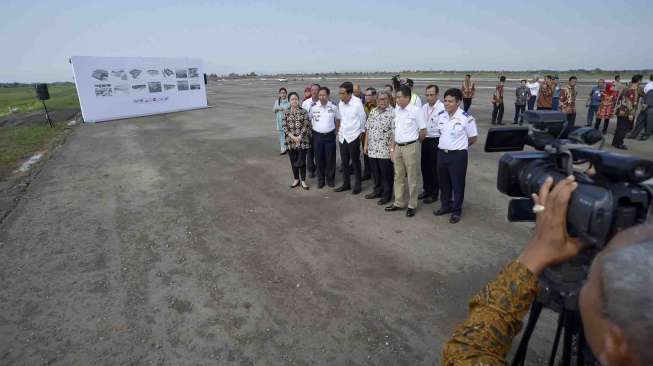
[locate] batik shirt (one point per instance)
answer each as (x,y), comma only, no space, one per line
(495,318)
(545,99)
(380,129)
(522,94)
(497,98)
(297,123)
(568,100)
(628,101)
(468,89)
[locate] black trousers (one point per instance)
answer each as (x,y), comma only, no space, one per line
(531,102)
(467,102)
(325,156)
(350,153)
(497,113)
(298,163)
(644,122)
(597,123)
(623,126)
(310,156)
(452,170)
(571,122)
(519,109)
(384,176)
(429,165)
(367,173)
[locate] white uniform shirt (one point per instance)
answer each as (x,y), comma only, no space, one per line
(648,87)
(408,122)
(455,131)
(431,118)
(352,119)
(534,87)
(323,117)
(308,103)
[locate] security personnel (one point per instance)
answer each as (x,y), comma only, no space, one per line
(457,132)
(323,118)
(429,163)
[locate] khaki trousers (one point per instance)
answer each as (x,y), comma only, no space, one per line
(407,167)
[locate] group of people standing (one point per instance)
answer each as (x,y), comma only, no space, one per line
(605,100)
(398,136)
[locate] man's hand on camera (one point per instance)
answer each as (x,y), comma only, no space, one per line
(551,243)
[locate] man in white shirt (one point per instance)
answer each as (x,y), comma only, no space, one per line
(352,123)
(429,160)
(457,132)
(323,118)
(410,130)
(306,105)
(534,87)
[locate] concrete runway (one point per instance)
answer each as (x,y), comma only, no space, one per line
(176,240)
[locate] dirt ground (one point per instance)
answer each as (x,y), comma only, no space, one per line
(176,240)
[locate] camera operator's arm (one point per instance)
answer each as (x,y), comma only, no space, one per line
(496,312)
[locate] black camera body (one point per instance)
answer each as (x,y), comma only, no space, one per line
(610,196)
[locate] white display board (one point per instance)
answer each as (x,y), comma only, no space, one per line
(121,87)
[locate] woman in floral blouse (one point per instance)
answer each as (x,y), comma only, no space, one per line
(297,127)
(380,128)
(606,108)
(281,105)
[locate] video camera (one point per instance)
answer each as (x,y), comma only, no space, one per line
(610,196)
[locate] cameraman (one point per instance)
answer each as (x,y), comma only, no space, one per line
(616,302)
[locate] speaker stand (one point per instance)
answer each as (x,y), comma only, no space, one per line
(47,116)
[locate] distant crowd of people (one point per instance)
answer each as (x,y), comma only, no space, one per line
(631,103)
(400,138)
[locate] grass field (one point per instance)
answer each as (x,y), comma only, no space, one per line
(20,142)
(23,98)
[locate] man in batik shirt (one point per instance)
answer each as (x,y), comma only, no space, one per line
(568,102)
(469,89)
(626,109)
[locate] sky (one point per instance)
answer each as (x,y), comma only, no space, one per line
(37,37)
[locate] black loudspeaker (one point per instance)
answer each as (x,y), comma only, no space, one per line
(206,80)
(42,92)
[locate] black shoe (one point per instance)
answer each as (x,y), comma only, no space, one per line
(644,137)
(441,211)
(372,196)
(454,219)
(393,208)
(428,200)
(311,174)
(621,147)
(410,212)
(422,195)
(342,189)
(356,191)
(320,185)
(331,184)
(383,201)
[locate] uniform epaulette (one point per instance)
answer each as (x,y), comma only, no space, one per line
(439,113)
(465,114)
